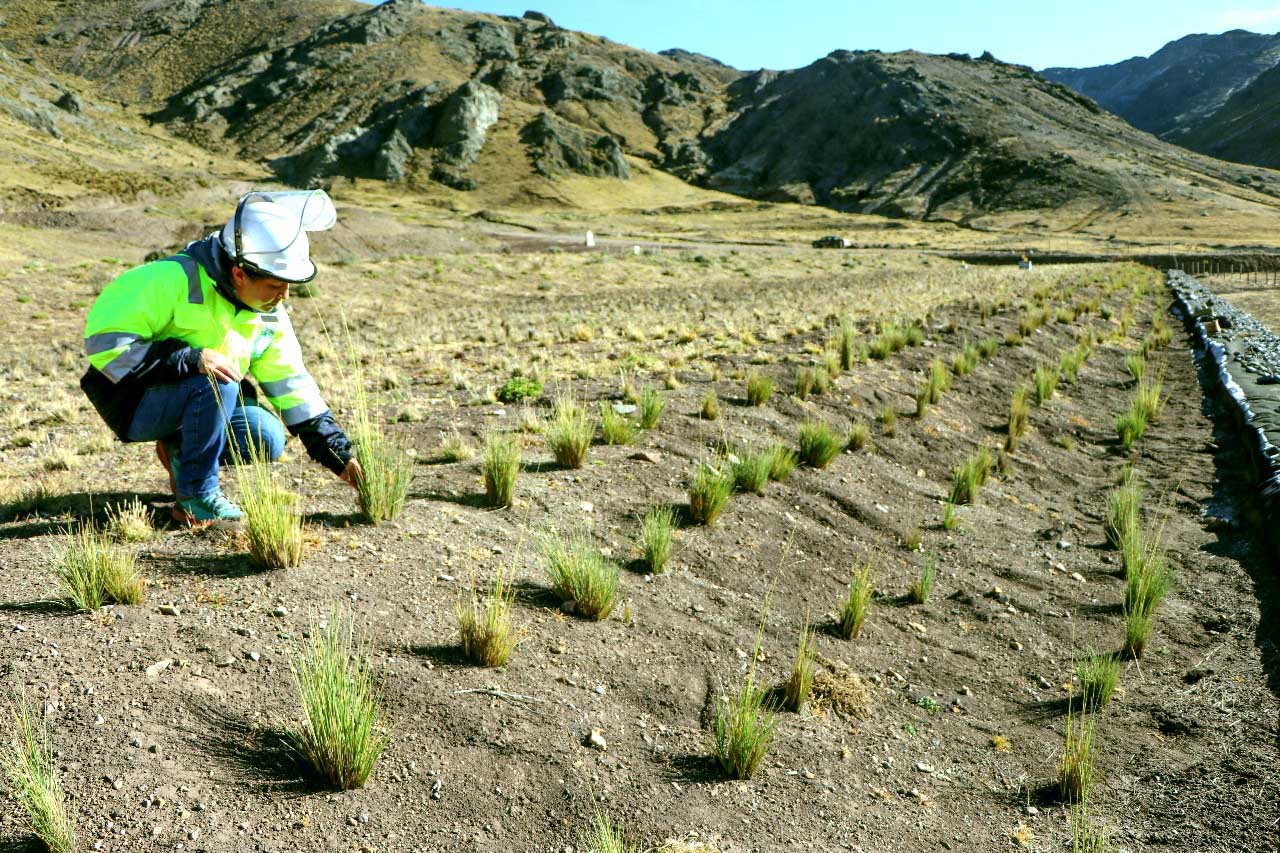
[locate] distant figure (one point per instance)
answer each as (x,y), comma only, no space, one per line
(591,240)
(1025,263)
(170,343)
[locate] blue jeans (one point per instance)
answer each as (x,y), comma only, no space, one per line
(191,417)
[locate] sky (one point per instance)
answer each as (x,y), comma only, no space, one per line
(782,34)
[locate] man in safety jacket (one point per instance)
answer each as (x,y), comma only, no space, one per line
(170,345)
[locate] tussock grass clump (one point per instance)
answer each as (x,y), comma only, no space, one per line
(964,362)
(849,351)
(888,418)
(857,603)
(657,537)
(819,444)
(759,388)
(342,731)
(387,468)
(581,574)
(568,434)
(922,585)
(94,571)
(129,521)
(615,428)
(455,448)
(1099,674)
(651,404)
(805,378)
(484,627)
(752,469)
(1136,364)
(796,691)
(914,334)
(784,461)
(1131,426)
(33,780)
(1148,399)
(988,347)
(500,468)
(709,492)
(710,410)
(745,724)
(949,518)
(970,476)
(1070,362)
(604,837)
(1019,417)
(1044,382)
(1123,507)
(859,435)
(273,514)
(1075,768)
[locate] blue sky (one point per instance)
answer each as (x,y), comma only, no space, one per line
(751,34)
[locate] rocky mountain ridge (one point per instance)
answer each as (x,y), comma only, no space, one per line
(1178,91)
(445,101)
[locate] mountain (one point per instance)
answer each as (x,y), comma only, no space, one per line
(1176,90)
(1247,128)
(483,110)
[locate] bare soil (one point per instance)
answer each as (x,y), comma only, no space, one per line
(187,754)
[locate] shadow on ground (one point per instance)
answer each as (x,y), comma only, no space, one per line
(249,754)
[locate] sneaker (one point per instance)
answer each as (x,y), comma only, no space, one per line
(201,512)
(170,463)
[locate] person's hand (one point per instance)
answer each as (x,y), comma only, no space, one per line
(352,474)
(216,365)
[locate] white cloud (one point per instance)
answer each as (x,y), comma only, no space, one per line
(1251,18)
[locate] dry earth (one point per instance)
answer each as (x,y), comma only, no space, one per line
(185,754)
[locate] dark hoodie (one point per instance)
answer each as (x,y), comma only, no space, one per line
(171,360)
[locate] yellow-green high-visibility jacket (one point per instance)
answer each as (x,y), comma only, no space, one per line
(149,324)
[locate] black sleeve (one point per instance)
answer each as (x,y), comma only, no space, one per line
(325,441)
(167,360)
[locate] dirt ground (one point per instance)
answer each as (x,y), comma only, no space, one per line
(966,695)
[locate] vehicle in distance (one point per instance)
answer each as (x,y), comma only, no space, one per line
(831,242)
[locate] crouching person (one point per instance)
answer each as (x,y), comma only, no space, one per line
(171,344)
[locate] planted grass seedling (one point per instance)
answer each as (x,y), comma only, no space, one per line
(651,405)
(94,571)
(752,470)
(1044,382)
(500,468)
(849,352)
(455,448)
(710,410)
(568,434)
(796,691)
(342,731)
(818,444)
(604,837)
(888,418)
(129,521)
(950,519)
(759,388)
(859,436)
(709,492)
(272,513)
(485,627)
(1099,674)
(922,586)
(1076,766)
(33,780)
(745,724)
(969,477)
(616,428)
(387,468)
(657,537)
(857,603)
(581,574)
(783,462)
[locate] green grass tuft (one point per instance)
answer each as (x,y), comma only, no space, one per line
(819,444)
(1099,674)
(568,434)
(859,435)
(342,731)
(922,585)
(94,571)
(784,461)
(709,492)
(581,574)
(752,469)
(500,468)
(616,428)
(484,627)
(796,691)
(969,477)
(1044,382)
(33,780)
(759,388)
(857,603)
(651,404)
(657,537)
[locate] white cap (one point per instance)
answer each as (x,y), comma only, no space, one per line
(268,232)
